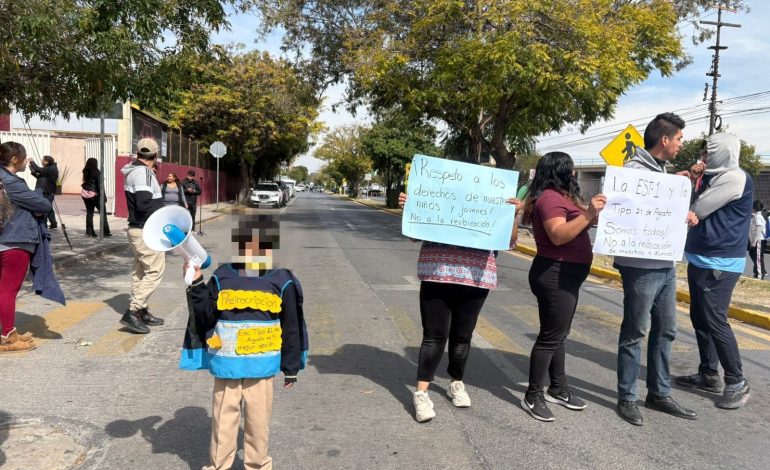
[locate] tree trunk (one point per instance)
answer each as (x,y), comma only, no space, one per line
(243,194)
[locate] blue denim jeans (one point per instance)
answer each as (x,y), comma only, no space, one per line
(649,304)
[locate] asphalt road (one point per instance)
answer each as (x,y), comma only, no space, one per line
(112,400)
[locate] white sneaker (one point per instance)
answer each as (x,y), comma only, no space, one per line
(423,407)
(457,393)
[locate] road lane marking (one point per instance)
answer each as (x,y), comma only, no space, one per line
(115,343)
(409,329)
(497,338)
(59,320)
(323,330)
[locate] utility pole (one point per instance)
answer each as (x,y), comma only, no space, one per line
(714,73)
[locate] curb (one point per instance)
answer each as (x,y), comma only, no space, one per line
(752,317)
(77,258)
(383,209)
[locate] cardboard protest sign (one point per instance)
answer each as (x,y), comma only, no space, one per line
(645,215)
(459,203)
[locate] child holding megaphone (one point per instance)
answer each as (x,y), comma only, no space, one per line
(246,325)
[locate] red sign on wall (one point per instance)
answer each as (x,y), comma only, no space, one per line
(5,122)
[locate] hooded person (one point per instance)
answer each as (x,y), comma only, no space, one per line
(716,256)
(143,197)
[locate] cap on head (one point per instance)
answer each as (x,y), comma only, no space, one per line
(147,148)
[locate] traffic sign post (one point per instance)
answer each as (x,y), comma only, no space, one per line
(622,147)
(218,150)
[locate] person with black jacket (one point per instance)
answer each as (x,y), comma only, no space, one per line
(191,190)
(46,175)
(143,197)
(92,178)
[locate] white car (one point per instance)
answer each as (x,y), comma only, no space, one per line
(266,193)
(300,188)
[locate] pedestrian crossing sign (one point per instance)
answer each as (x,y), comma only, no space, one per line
(622,147)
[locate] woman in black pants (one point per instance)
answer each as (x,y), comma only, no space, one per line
(455,283)
(92,178)
(560,225)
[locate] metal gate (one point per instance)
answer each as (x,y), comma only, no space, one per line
(37,144)
(108,172)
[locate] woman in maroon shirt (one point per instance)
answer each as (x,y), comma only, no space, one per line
(560,224)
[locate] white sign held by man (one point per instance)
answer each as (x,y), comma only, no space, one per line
(645,215)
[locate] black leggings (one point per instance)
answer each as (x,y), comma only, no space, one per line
(556,284)
(448,311)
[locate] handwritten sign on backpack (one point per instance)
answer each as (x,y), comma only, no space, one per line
(645,215)
(459,203)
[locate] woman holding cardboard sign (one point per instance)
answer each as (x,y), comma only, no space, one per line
(560,224)
(455,282)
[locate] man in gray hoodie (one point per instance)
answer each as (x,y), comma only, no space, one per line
(716,257)
(649,294)
(143,197)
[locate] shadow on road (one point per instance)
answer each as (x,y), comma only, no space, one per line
(35,325)
(5,420)
(389,370)
(186,435)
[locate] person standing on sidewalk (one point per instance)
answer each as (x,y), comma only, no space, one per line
(46,175)
(649,294)
(90,191)
(19,239)
(143,197)
(560,226)
(191,190)
(757,242)
(455,282)
(716,257)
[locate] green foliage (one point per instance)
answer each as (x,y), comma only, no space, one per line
(392,142)
(343,149)
(298,173)
(496,72)
(258,106)
(63,57)
(749,160)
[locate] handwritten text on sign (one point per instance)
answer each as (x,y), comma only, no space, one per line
(645,215)
(459,203)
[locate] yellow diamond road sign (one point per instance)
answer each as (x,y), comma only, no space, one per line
(622,147)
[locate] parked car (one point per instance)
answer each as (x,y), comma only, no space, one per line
(375,190)
(300,188)
(266,193)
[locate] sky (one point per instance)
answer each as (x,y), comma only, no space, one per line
(744,69)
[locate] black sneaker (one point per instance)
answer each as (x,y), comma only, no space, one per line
(133,321)
(149,319)
(565,398)
(536,407)
(733,399)
(707,383)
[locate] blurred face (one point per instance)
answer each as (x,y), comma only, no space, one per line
(671,145)
(170,178)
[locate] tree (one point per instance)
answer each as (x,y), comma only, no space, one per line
(749,160)
(391,143)
(63,57)
(261,108)
(343,149)
(495,72)
(298,173)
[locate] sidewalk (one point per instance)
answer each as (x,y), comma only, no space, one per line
(751,312)
(73,216)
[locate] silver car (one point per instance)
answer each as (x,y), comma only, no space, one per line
(266,193)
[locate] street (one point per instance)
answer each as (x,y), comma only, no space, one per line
(93,396)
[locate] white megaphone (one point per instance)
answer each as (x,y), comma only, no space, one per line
(170,228)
